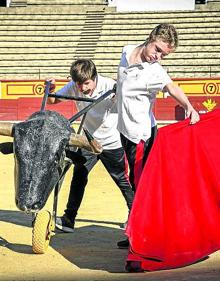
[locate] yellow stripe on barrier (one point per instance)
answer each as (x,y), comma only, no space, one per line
(18,89)
(35,88)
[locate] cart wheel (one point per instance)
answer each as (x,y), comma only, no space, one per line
(42,231)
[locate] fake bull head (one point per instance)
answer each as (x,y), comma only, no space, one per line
(39,151)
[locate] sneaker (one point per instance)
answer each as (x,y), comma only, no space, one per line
(65,224)
(123,225)
(133,266)
(124,244)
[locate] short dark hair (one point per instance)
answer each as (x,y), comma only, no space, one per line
(82,70)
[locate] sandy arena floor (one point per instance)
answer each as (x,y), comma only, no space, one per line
(90,253)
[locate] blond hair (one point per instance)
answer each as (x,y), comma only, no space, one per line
(165,32)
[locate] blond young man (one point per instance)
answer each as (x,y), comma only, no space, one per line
(140,78)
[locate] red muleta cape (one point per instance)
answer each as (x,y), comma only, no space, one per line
(175,218)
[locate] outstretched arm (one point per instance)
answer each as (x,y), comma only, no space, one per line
(177,93)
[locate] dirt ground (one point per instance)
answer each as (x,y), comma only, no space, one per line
(90,253)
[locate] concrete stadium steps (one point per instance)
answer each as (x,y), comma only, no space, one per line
(43,58)
(41,41)
(174,62)
(181,51)
(145,29)
(177,56)
(62,72)
(32,72)
(46,48)
(36,3)
(189,71)
(140,37)
(31,19)
(175,72)
(68,53)
(145,22)
(89,37)
(46,20)
(63,30)
(199,40)
(154,17)
(41,10)
(18,3)
(52,10)
(165,14)
(50,43)
(38,62)
(183,29)
(191,48)
(66,2)
(90,33)
(60,53)
(213,1)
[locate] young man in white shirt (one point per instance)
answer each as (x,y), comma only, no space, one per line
(101,121)
(140,78)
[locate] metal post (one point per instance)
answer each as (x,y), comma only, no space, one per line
(47,91)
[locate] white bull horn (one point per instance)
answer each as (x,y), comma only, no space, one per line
(96,146)
(82,142)
(6,128)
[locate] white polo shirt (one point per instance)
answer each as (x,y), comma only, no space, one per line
(137,86)
(101,120)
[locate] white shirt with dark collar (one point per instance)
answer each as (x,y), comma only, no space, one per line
(101,120)
(137,86)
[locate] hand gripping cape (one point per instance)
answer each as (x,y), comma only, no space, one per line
(175,218)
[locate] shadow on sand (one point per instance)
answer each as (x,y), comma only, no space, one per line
(89,247)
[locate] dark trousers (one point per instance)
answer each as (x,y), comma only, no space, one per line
(115,163)
(137,156)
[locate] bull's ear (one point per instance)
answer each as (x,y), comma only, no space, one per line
(6,128)
(6,147)
(82,142)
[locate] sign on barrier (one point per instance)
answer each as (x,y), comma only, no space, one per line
(204,94)
(32,88)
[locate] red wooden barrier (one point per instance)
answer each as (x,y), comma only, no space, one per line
(169,109)
(164,108)
(8,110)
(20,109)
(27,106)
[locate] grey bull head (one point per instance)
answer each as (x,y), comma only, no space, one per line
(39,151)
